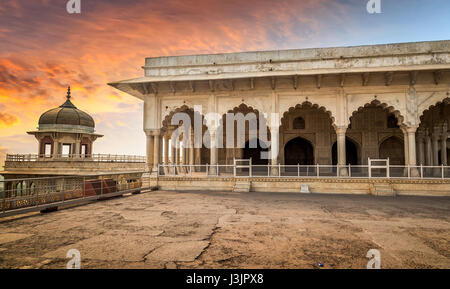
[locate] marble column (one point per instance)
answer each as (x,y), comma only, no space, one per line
(428,151)
(341,150)
(420,147)
(444,136)
(55,149)
(435,141)
(198,143)
(40,148)
(156,147)
(213,153)
(412,150)
(274,149)
(191,151)
(177,151)
(182,152)
(149,149)
(406,150)
(166,149)
(173,153)
(77,151)
(444,150)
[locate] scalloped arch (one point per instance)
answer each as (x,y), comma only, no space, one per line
(307,104)
(183,108)
(246,108)
(390,109)
(444,101)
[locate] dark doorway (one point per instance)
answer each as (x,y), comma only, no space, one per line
(255,153)
(393,149)
(351,152)
(298,151)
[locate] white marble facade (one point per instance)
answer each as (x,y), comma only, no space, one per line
(349,103)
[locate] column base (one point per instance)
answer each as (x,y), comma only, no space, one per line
(212,171)
(274,171)
(343,172)
(414,173)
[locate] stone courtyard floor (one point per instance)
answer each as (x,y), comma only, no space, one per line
(163,229)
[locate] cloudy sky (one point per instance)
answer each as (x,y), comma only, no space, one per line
(43,49)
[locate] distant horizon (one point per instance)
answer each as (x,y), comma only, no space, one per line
(44,49)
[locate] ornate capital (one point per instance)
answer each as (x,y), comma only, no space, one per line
(152,132)
(420,133)
(411,129)
(340,130)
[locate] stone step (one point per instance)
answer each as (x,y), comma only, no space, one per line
(242,187)
(383,190)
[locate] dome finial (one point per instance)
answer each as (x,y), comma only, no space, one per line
(68,92)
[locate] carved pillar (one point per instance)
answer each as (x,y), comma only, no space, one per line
(182,153)
(156,157)
(55,149)
(149,150)
(444,145)
(166,149)
(274,149)
(435,140)
(428,151)
(420,147)
(341,152)
(191,149)
(412,150)
(406,147)
(177,151)
(41,149)
(213,152)
(77,151)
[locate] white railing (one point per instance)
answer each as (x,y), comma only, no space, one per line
(306,171)
(78,157)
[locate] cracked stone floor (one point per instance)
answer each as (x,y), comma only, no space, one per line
(165,229)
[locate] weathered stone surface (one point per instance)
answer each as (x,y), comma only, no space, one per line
(178,252)
(165,229)
(11,237)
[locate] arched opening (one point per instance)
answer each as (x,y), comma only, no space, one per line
(24,188)
(32,188)
(200,156)
(393,149)
(298,123)
(241,127)
(255,153)
(372,123)
(351,152)
(312,125)
(18,189)
(298,151)
(434,125)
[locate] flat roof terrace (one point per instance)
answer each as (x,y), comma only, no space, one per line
(170,229)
